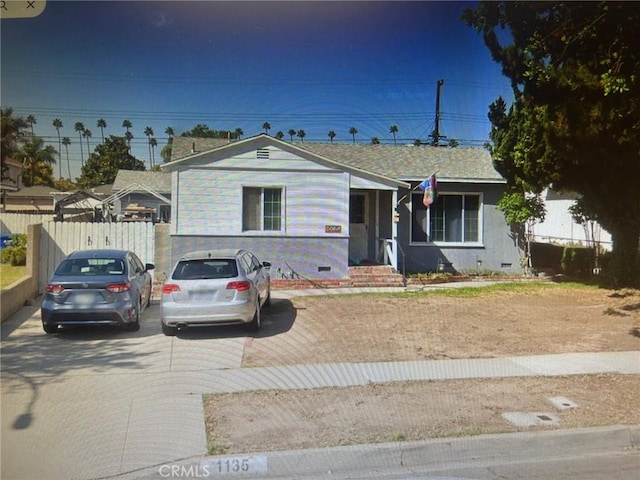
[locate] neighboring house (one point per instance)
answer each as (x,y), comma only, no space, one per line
(38,199)
(141,195)
(559,226)
(315,209)
(10,179)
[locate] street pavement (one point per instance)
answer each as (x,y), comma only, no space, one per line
(104,403)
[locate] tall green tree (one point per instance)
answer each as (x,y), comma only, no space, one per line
(574,123)
(331,135)
(126,124)
(37,160)
(153,143)
(291,133)
(353,131)
(12,127)
(86,133)
(57,124)
(31,121)
(102,166)
(66,141)
(279,135)
(166,151)
(266,126)
(79,127)
(101,124)
(301,134)
(148,131)
(393,129)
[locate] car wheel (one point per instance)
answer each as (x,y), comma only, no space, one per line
(169,331)
(134,325)
(50,328)
(255,322)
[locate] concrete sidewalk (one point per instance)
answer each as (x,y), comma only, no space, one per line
(86,421)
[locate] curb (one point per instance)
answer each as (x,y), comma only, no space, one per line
(427,455)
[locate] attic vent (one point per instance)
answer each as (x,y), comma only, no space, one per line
(262,154)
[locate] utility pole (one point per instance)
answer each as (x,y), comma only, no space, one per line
(435,141)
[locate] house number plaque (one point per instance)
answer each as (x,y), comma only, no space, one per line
(333,229)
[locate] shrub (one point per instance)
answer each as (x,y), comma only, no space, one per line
(576,261)
(16,253)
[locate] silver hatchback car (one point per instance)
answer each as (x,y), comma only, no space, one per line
(215,287)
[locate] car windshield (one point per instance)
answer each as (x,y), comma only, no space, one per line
(205,269)
(91,267)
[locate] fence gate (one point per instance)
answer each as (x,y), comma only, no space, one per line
(59,239)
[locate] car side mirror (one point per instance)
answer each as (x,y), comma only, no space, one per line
(266,264)
(149,266)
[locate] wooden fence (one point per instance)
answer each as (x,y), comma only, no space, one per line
(18,222)
(59,239)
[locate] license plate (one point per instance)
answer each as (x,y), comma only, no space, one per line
(83,298)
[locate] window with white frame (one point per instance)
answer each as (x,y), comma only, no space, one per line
(261,209)
(452,218)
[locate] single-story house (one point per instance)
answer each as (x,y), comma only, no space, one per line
(315,209)
(36,200)
(141,195)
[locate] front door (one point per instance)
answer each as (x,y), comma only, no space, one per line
(358,227)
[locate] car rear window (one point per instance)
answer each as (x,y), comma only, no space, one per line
(205,269)
(91,266)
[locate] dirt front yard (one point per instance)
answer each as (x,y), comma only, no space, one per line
(511,320)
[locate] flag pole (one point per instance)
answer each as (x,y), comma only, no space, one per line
(414,189)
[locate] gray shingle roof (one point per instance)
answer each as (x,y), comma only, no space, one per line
(412,163)
(185,146)
(406,163)
(159,182)
(37,191)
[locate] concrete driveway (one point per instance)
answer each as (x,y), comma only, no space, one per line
(91,403)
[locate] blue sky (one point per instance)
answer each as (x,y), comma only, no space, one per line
(316,66)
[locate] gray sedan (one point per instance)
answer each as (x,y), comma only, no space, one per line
(97,287)
(215,287)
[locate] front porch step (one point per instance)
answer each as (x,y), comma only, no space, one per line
(375,276)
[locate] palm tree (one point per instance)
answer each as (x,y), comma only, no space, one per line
(393,129)
(148,131)
(153,143)
(102,124)
(34,155)
(291,133)
(266,127)
(170,133)
(128,136)
(79,127)
(331,135)
(301,133)
(375,141)
(239,133)
(127,124)
(31,121)
(57,123)
(66,142)
(353,131)
(87,134)
(279,135)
